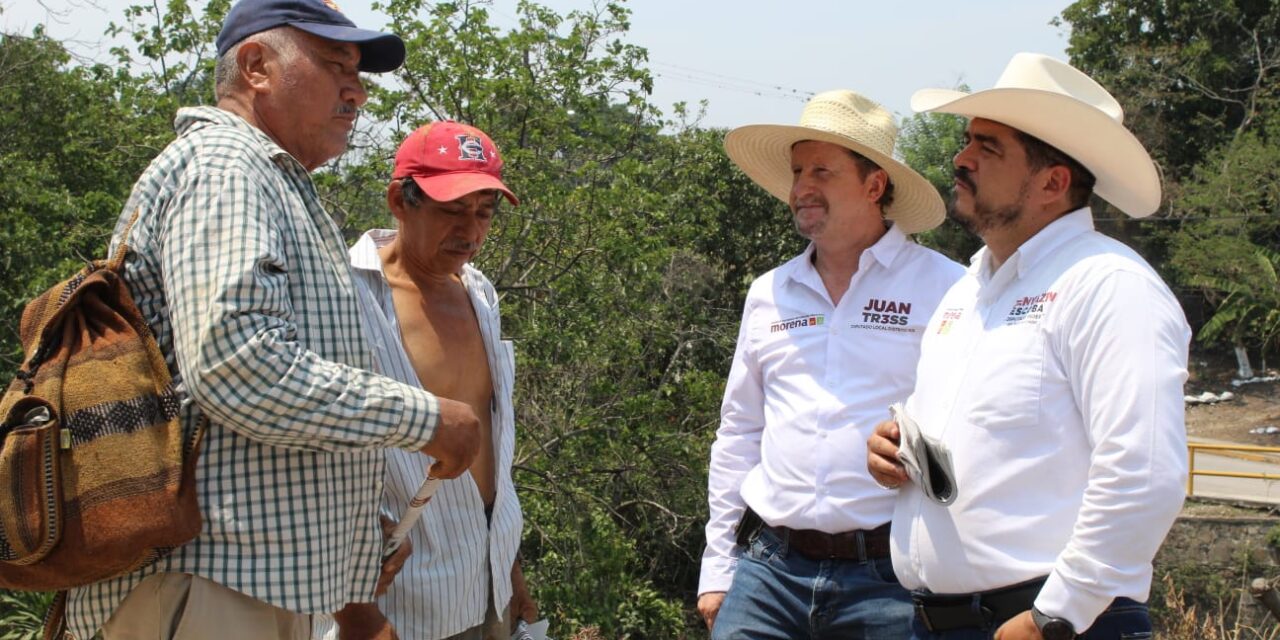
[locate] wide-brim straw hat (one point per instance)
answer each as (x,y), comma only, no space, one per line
(1059,104)
(844,118)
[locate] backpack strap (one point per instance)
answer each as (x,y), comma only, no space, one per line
(116,261)
(55,618)
(45,345)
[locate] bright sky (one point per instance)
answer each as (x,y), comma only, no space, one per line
(754,61)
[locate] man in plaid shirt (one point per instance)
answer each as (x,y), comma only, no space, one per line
(245,281)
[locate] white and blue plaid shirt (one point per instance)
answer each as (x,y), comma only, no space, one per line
(244,279)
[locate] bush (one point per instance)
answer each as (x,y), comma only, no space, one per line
(22,614)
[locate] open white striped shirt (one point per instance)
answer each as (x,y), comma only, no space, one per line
(444,587)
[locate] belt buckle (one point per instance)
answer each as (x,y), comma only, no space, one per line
(828,547)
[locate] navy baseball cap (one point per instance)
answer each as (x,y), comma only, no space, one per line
(379,52)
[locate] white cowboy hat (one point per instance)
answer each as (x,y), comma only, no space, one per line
(844,118)
(1057,103)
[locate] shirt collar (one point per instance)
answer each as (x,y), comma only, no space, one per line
(365,257)
(364,253)
(1037,247)
(195,118)
(884,252)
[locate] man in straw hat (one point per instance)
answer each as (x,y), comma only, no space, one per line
(828,340)
(245,279)
(1053,371)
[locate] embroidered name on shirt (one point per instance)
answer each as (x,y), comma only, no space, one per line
(891,312)
(796,323)
(949,319)
(1030,308)
(885,315)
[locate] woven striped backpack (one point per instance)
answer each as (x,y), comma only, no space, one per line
(95,467)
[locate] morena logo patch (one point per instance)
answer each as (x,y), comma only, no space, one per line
(949,319)
(797,323)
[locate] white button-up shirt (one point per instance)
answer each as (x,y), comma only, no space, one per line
(1056,381)
(460,559)
(809,382)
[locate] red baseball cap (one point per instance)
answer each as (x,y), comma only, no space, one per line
(449,160)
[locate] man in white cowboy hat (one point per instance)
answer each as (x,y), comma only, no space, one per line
(1052,371)
(799,533)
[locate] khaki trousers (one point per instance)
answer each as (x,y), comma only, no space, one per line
(179,606)
(493,628)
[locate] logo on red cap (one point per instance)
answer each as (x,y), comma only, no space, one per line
(428,156)
(470,148)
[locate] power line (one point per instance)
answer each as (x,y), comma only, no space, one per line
(735,79)
(727,87)
(730,83)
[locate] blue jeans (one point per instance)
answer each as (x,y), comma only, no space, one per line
(1125,619)
(780,594)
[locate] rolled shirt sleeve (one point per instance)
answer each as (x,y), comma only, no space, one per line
(236,335)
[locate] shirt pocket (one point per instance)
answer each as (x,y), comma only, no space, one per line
(1005,378)
(789,346)
(883,357)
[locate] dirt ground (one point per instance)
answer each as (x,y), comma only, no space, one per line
(1254,406)
(1217,508)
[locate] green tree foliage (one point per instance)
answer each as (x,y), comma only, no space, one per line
(1228,243)
(928,142)
(622,285)
(1250,307)
(624,269)
(1190,73)
(73,138)
(1198,83)
(71,149)
(622,272)
(173,51)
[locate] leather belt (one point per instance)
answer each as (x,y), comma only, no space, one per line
(860,545)
(982,610)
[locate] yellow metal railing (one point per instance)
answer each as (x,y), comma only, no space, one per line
(1245,451)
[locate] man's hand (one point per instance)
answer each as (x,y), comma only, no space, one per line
(363,621)
(1019,627)
(456,441)
(709,606)
(522,605)
(882,455)
(392,564)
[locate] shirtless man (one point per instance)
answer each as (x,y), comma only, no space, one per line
(433,321)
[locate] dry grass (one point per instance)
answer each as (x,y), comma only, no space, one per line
(1185,622)
(587,633)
